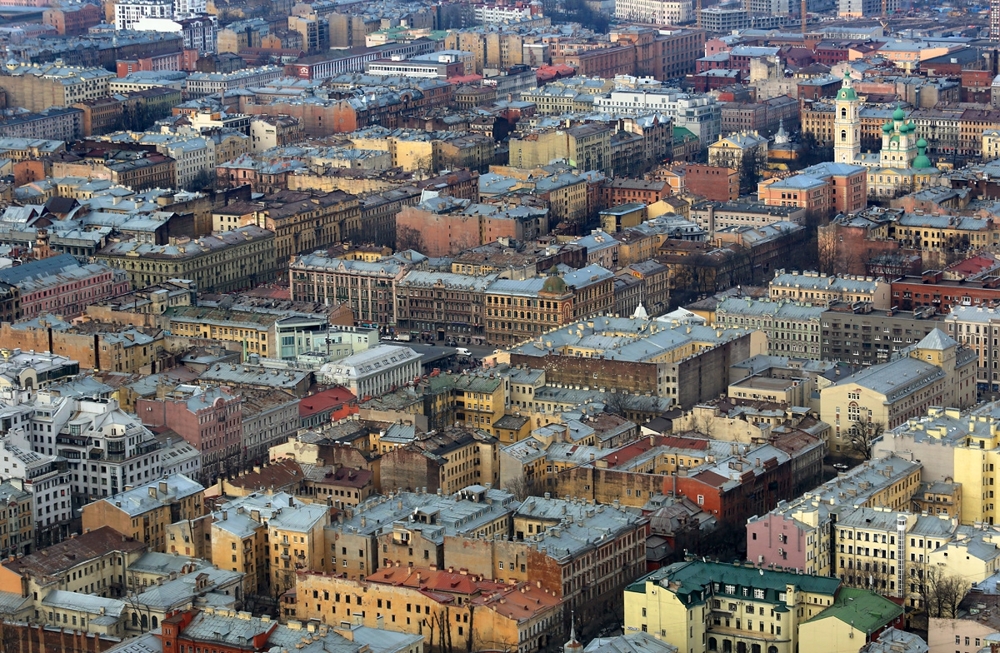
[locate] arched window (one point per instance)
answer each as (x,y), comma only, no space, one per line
(144,622)
(755,648)
(156,623)
(727,646)
(712,644)
(843,112)
(135,620)
(772,649)
(843,134)
(741,647)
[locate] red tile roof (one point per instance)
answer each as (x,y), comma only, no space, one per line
(325,400)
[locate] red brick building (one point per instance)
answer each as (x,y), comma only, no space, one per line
(712,182)
(60,285)
(209,419)
(626,190)
(73,21)
(932,289)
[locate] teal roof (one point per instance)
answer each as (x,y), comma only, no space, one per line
(887,127)
(899,114)
(847,93)
(698,580)
(921,143)
(862,609)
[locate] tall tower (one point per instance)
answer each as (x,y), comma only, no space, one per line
(847,123)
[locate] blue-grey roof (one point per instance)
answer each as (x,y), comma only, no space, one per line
(89,603)
(42,267)
(138,500)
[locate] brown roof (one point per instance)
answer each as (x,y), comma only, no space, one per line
(278,475)
(58,558)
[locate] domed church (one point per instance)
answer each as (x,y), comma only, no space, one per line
(902,165)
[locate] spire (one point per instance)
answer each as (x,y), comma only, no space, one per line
(572,646)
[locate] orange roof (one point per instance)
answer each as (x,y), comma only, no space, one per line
(435,580)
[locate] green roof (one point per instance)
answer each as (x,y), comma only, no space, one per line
(863,609)
(848,94)
(696,576)
(684,134)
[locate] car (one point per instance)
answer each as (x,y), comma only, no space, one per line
(841,467)
(462,351)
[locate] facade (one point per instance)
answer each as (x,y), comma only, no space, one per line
(792,329)
(374,371)
(857,334)
(128,13)
(934,372)
(60,285)
(242,258)
(368,288)
(38,87)
(820,289)
(730,151)
(65,124)
(144,512)
(657,12)
(797,608)
(442,305)
(210,420)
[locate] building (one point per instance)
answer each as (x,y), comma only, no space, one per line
(797,607)
(934,372)
(445,460)
(820,289)
(368,288)
(730,151)
(38,87)
(145,511)
(61,285)
(242,258)
(374,371)
(857,334)
(657,12)
(210,420)
(640,356)
(48,481)
(61,124)
(792,329)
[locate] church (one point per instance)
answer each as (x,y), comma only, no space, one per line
(902,165)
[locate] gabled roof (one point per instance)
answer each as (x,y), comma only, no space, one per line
(937,340)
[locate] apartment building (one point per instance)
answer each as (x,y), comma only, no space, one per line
(475,611)
(976,328)
(935,372)
(445,461)
(798,534)
(792,328)
(820,289)
(94,563)
(145,511)
(856,333)
(752,608)
(242,258)
(368,288)
(106,449)
(40,86)
(209,419)
(442,305)
(48,481)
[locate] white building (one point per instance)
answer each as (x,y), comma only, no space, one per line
(129,12)
(700,114)
(493,14)
(375,371)
(48,480)
(657,12)
(185,8)
(106,448)
(178,456)
(194,156)
(199,32)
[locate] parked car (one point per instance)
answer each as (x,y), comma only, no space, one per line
(462,351)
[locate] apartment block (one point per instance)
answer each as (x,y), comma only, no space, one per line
(38,87)
(934,372)
(858,334)
(144,512)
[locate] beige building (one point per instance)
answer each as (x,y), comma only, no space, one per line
(225,262)
(40,86)
(144,512)
(239,543)
(729,151)
(587,146)
(937,372)
(821,289)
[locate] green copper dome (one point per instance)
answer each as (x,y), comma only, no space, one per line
(899,114)
(554,285)
(847,93)
(887,127)
(922,162)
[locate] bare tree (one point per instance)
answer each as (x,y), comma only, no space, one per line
(942,594)
(523,487)
(409,238)
(863,435)
(615,403)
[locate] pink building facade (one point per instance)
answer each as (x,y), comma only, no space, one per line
(68,292)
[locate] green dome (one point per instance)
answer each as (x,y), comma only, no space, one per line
(554,285)
(887,127)
(898,114)
(921,143)
(921,162)
(847,94)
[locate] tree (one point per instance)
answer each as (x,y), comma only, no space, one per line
(863,435)
(942,594)
(615,403)
(751,165)
(523,487)
(409,238)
